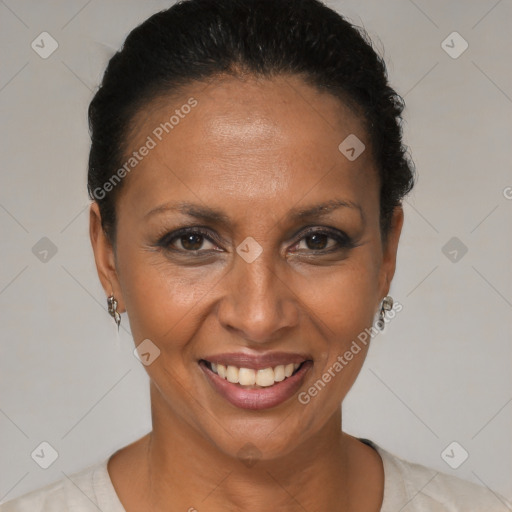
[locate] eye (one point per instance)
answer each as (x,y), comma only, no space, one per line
(317,241)
(322,240)
(188,240)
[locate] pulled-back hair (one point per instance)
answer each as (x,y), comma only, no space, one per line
(198,39)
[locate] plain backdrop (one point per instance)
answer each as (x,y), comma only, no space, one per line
(439,373)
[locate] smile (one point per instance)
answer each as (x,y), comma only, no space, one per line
(252,377)
(256,382)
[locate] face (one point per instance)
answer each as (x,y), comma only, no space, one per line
(246,239)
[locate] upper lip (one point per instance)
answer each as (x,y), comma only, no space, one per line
(256,361)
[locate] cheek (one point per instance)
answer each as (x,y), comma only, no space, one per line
(343,304)
(162,302)
(344,298)
(166,308)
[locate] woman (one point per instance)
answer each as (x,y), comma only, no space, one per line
(247,172)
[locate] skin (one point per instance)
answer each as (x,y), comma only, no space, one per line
(254,149)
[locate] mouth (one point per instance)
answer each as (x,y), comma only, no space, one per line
(257,383)
(251,378)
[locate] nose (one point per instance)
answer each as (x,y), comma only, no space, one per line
(258,304)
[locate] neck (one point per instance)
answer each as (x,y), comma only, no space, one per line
(186,470)
(177,467)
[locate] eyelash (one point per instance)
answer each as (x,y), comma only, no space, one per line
(344,242)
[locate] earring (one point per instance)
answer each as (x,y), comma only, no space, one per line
(387,304)
(112,309)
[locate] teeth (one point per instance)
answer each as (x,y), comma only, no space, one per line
(232,374)
(279,373)
(221,370)
(265,377)
(249,377)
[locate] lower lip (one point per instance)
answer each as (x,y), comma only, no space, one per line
(257,399)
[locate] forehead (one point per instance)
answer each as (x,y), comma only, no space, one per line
(245,140)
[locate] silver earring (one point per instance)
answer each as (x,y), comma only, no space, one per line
(112,309)
(387,304)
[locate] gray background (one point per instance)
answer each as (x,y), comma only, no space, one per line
(439,373)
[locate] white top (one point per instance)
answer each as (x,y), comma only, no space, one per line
(408,487)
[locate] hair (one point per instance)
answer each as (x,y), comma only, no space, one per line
(198,40)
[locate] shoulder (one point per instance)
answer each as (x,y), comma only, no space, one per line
(87,490)
(413,487)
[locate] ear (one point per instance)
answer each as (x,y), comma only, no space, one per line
(390,249)
(104,257)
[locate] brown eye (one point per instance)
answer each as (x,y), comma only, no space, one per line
(192,241)
(323,241)
(316,242)
(187,240)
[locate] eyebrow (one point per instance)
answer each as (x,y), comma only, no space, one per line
(325,208)
(205,213)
